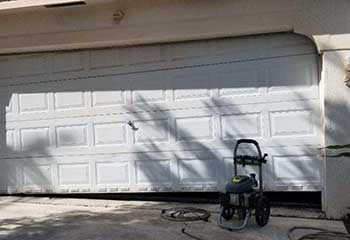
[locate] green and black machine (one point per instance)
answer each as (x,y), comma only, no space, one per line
(243,195)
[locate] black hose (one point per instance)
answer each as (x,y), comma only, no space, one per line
(190,235)
(185,214)
(320,234)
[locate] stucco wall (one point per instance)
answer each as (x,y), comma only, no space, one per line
(148,21)
(337,131)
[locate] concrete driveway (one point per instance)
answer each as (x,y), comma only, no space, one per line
(73,219)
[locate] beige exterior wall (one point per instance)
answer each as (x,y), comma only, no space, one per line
(337,131)
(150,21)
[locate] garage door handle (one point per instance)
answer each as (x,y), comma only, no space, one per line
(132,125)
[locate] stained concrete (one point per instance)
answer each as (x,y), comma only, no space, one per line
(58,219)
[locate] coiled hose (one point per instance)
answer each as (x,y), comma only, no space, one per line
(319,234)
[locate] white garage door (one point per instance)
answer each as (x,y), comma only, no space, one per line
(66,125)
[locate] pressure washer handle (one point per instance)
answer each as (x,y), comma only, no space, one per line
(249,141)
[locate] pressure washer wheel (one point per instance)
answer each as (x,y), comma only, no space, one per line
(262,211)
(227,212)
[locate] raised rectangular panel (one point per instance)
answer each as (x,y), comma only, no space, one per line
(290,77)
(35,138)
(291,123)
(112,173)
(196,128)
(104,58)
(153,171)
(197,170)
(31,65)
(108,98)
(10,139)
(5,68)
(37,175)
(238,83)
(70,136)
(151,131)
(296,168)
(189,50)
(148,91)
(109,133)
(73,174)
(241,125)
(67,62)
(33,102)
(67,100)
(145,55)
(191,86)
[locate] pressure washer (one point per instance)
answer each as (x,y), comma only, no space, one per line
(243,194)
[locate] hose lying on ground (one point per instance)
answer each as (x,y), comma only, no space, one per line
(319,234)
(185,214)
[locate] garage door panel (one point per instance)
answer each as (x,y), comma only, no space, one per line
(191,85)
(10,141)
(197,171)
(69,100)
(223,124)
(111,133)
(115,173)
(33,102)
(68,61)
(31,65)
(105,58)
(34,138)
(153,172)
(37,177)
(145,55)
(190,50)
(71,136)
(287,168)
(291,123)
(108,98)
(151,131)
(233,49)
(239,82)
(296,168)
(194,128)
(75,174)
(248,125)
(71,62)
(302,74)
(114,101)
(188,102)
(291,45)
